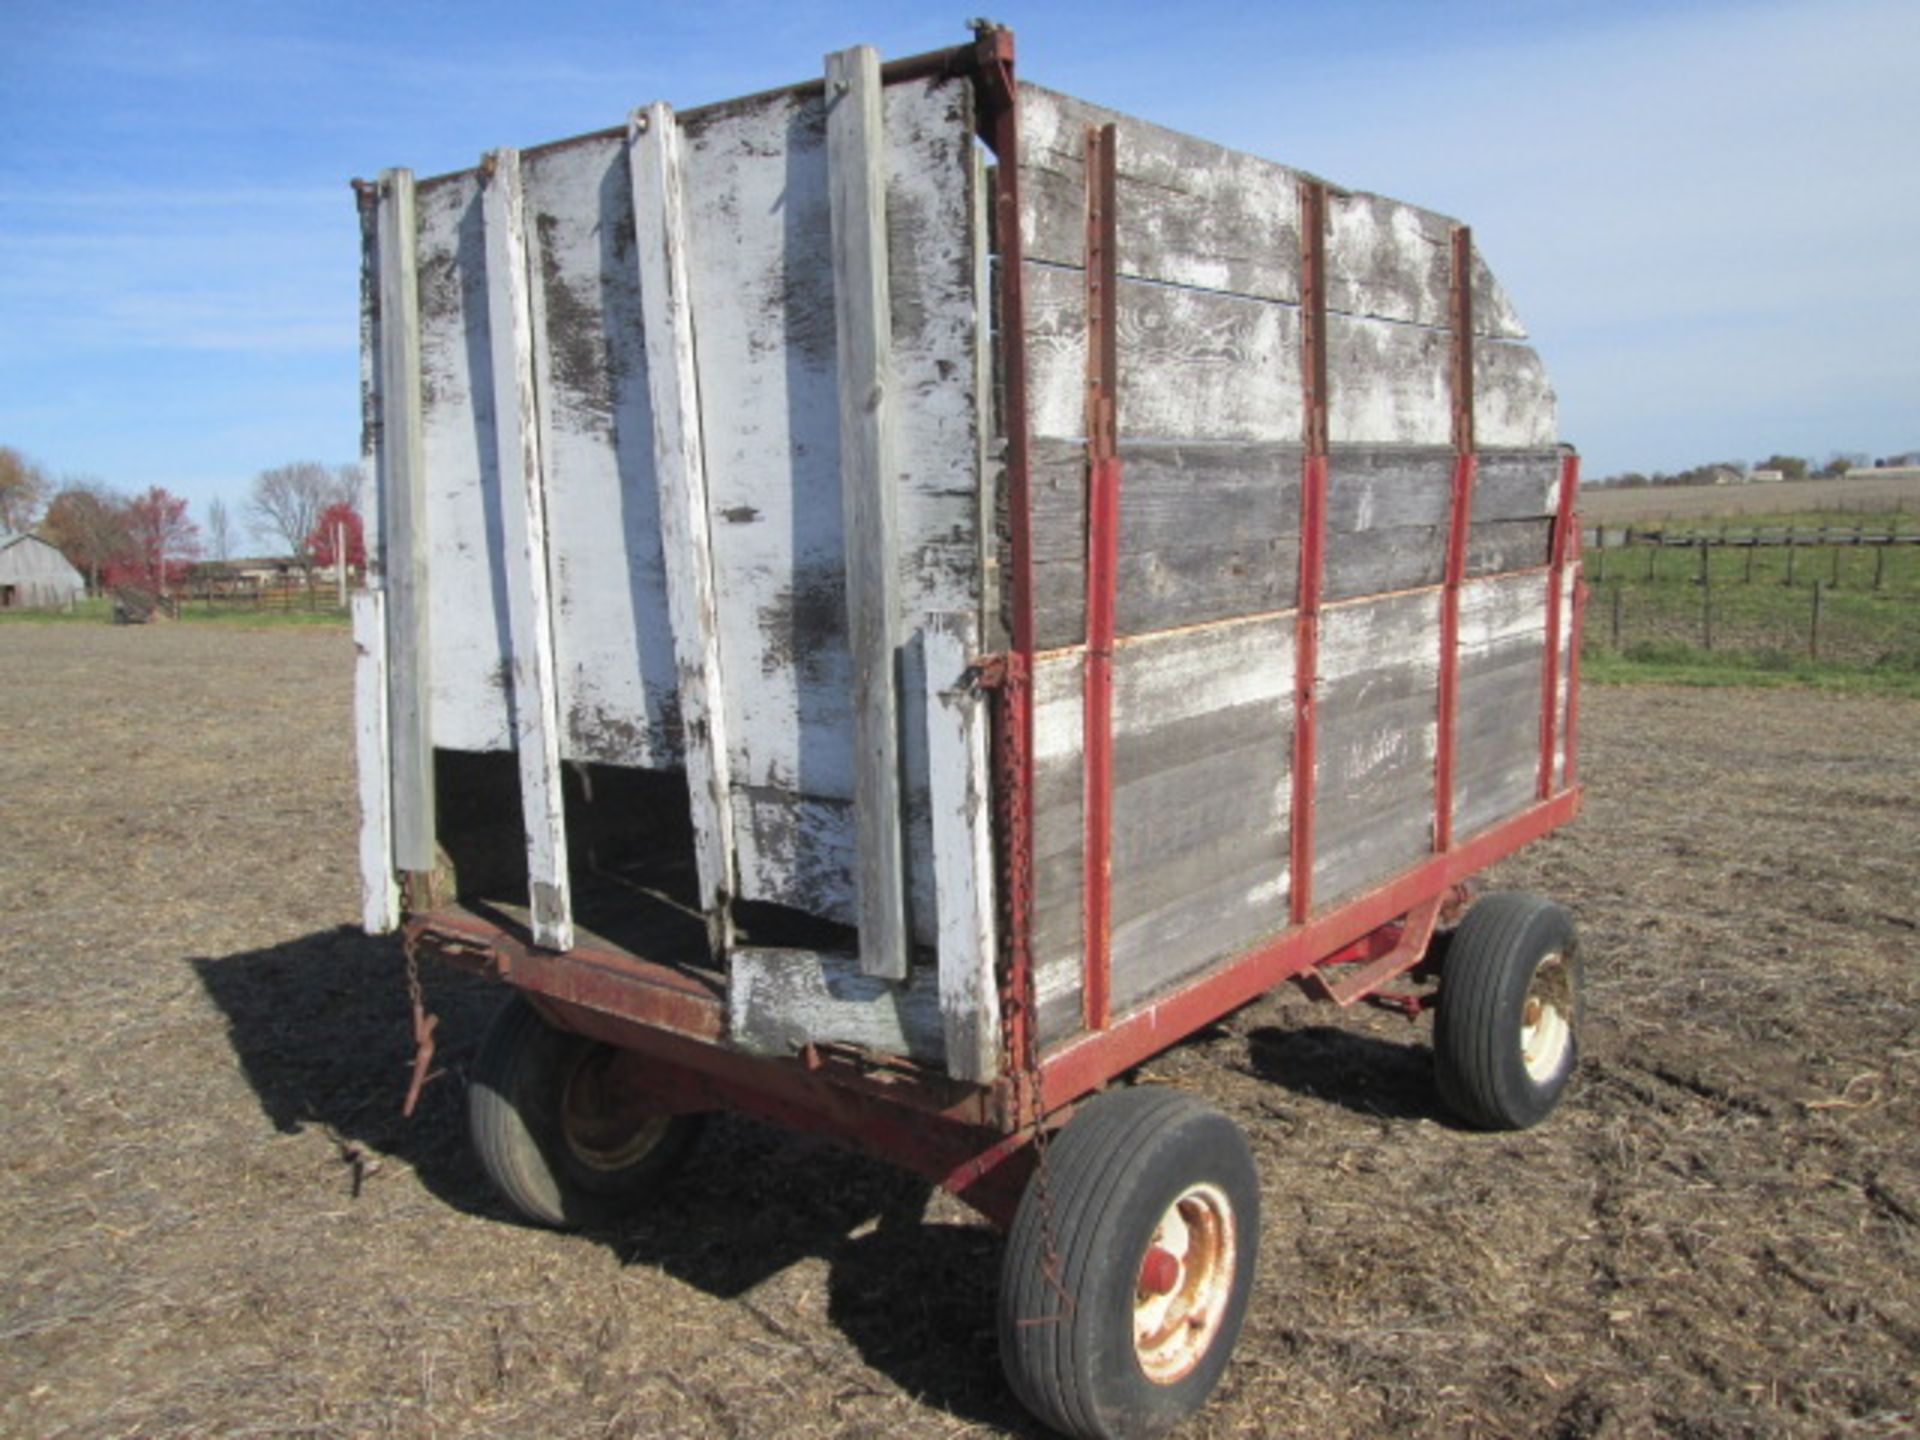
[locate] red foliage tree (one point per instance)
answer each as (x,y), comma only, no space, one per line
(320,544)
(162,541)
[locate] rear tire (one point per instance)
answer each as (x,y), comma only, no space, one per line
(560,1142)
(1126,1278)
(1505,1036)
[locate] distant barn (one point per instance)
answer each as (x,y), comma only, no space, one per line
(35,575)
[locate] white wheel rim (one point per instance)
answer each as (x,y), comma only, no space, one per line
(1185,1280)
(1546,1022)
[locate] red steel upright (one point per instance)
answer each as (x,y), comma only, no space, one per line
(1103,565)
(1313,537)
(1460,519)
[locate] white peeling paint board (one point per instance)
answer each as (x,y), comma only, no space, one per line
(760,269)
(409,525)
(467,606)
(380,896)
(659,209)
(960,785)
(613,642)
(524,522)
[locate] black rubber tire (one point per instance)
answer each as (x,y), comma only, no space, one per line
(515,1101)
(1119,1165)
(1491,966)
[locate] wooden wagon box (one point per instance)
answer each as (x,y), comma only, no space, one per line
(812,553)
(895,599)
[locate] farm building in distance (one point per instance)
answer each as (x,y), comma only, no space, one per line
(35,575)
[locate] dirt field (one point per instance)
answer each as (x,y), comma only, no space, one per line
(214,1222)
(1602,505)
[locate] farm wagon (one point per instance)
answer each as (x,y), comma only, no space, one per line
(899,598)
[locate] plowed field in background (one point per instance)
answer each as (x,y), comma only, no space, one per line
(214,1222)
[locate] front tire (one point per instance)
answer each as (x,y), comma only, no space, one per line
(1129,1265)
(1505,1037)
(562,1142)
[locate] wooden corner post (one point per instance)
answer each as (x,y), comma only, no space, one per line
(523,512)
(679,463)
(863,327)
(404,527)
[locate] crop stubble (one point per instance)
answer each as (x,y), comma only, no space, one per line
(214,1222)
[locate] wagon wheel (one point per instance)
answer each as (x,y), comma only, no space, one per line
(1127,1271)
(1504,1039)
(561,1141)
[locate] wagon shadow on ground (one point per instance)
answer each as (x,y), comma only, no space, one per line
(322,1031)
(1391,1079)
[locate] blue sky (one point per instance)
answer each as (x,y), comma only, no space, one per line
(1707,214)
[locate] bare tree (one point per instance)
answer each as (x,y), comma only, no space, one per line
(285,504)
(219,530)
(23,488)
(87,520)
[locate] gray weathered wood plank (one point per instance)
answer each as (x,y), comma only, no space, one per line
(1513,401)
(679,460)
(1195,365)
(779,1001)
(403,484)
(1190,212)
(863,329)
(1207,532)
(536,700)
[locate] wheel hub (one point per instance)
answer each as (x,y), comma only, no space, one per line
(1185,1281)
(1546,1019)
(605,1127)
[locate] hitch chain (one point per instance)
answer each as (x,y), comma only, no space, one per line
(424,1024)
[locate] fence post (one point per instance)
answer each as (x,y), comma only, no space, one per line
(1813,634)
(1617,588)
(1792,551)
(1706,599)
(1703,559)
(1879,565)
(1836,567)
(1652,550)
(1747,579)
(1600,560)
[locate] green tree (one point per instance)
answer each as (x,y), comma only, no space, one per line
(1791,466)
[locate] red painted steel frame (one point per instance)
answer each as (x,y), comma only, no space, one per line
(1313,542)
(1460,519)
(999,123)
(1565,542)
(1103,567)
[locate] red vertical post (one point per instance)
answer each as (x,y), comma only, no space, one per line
(1460,520)
(1103,566)
(1570,775)
(1313,537)
(1013,738)
(1563,547)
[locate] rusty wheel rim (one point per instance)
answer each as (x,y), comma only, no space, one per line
(1184,1283)
(603,1127)
(1546,1019)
